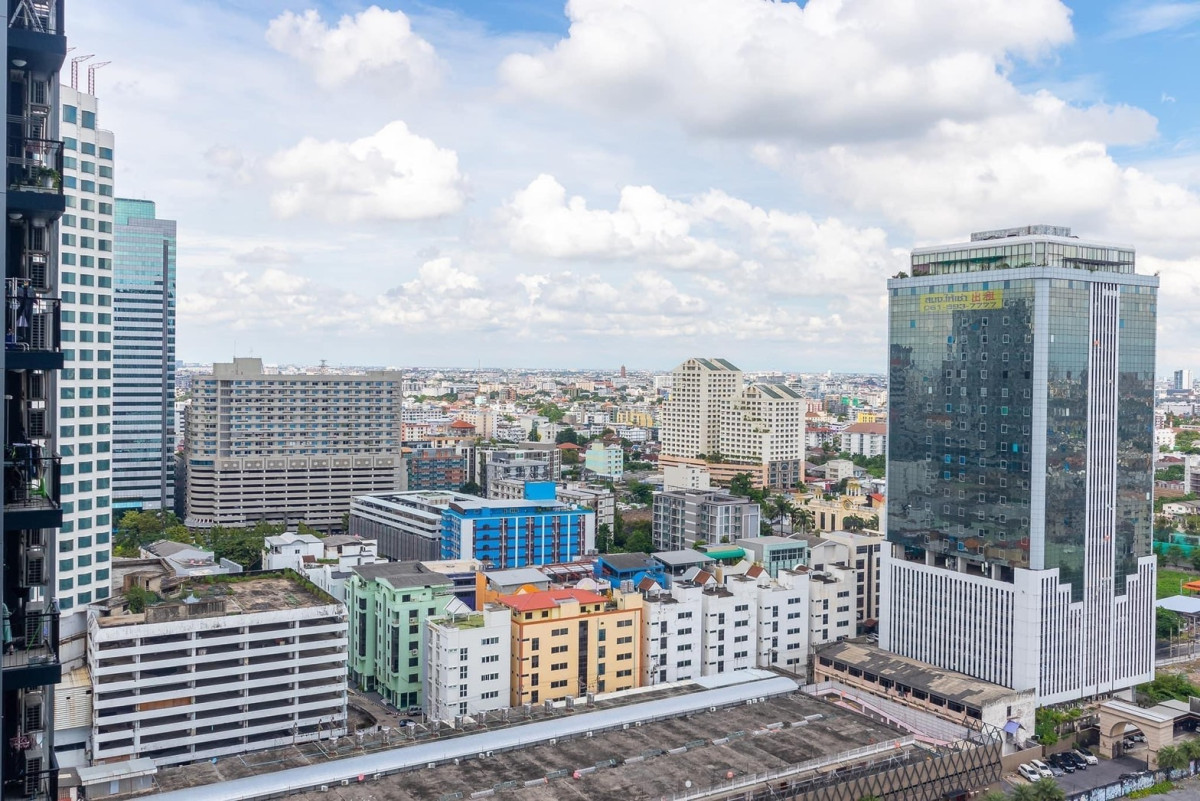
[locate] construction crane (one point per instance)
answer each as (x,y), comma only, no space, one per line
(92,75)
(75,62)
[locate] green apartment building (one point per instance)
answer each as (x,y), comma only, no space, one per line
(388,605)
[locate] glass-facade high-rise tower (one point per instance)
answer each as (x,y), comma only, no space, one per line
(143,358)
(1020,463)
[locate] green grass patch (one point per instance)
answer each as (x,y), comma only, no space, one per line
(1169,581)
(1161,787)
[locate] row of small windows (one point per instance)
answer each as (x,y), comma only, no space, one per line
(86,279)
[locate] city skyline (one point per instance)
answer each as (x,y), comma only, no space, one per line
(574,230)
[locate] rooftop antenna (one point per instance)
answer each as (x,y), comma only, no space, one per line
(92,75)
(75,62)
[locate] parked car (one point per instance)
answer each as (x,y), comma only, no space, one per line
(1064,762)
(1029,772)
(1087,756)
(1138,738)
(1055,768)
(1078,759)
(413,711)
(1042,768)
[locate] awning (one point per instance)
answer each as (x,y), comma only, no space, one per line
(1011,727)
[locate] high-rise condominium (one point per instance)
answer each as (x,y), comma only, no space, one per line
(143,358)
(35,45)
(1020,463)
(289,448)
(85,393)
(712,417)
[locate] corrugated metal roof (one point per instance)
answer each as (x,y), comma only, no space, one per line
(414,756)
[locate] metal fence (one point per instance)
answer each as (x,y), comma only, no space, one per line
(1140,781)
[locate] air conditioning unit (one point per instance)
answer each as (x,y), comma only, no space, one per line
(345,782)
(324,788)
(33,567)
(32,712)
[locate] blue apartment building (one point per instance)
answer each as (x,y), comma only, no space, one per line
(517,533)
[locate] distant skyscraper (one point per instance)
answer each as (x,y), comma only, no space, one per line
(85,397)
(1183,379)
(143,358)
(1020,463)
(691,417)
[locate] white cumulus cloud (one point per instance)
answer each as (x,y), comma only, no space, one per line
(820,71)
(373,41)
(393,174)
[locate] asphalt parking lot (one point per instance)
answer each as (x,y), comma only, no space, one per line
(1107,772)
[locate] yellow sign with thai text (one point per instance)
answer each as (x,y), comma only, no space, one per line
(962,301)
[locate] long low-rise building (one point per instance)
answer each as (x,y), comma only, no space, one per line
(228,665)
(407,525)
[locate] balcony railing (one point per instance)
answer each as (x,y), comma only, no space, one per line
(30,638)
(35,165)
(31,321)
(31,477)
(39,16)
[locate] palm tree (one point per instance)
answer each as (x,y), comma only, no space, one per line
(1172,757)
(994,795)
(781,510)
(1024,792)
(803,519)
(1191,749)
(1048,790)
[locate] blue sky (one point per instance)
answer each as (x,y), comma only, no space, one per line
(466,181)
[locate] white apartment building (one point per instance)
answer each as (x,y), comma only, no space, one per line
(289,448)
(671,624)
(764,424)
(831,603)
(691,417)
(85,382)
(861,550)
(684,517)
(467,661)
(325,562)
(233,667)
(686,477)
(865,439)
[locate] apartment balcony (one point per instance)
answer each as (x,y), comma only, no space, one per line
(31,650)
(35,178)
(36,34)
(32,330)
(31,488)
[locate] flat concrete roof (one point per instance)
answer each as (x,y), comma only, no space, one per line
(917,675)
(243,593)
(684,558)
(653,773)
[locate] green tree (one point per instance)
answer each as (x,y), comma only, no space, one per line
(781,509)
(136,529)
(1168,686)
(567,435)
(534,436)
(1174,554)
(1024,792)
(471,488)
(641,492)
(138,599)
(1046,789)
(1167,624)
(1172,473)
(993,795)
(803,519)
(604,538)
(853,523)
(1172,757)
(305,528)
(640,540)
(1191,749)
(551,412)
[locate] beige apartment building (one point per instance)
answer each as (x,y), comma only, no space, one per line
(289,448)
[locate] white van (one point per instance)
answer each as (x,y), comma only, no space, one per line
(1029,772)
